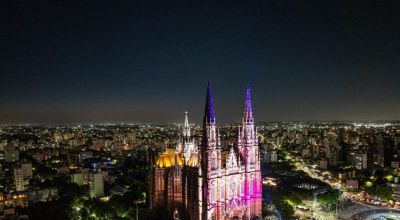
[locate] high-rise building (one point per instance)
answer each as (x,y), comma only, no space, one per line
(360,161)
(19,178)
(207,182)
(96,185)
(78,178)
(27,169)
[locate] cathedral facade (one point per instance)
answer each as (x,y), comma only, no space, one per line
(203,181)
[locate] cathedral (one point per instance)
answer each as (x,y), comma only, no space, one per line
(198,180)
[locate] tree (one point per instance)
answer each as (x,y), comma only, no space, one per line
(383,192)
(285,208)
(328,198)
(286,201)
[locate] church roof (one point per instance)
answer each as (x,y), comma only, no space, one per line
(169,158)
(193,160)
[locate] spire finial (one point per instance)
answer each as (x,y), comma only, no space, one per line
(186,120)
(248,98)
(186,127)
(209,116)
(248,113)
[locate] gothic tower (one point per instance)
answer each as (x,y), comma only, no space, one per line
(249,152)
(210,163)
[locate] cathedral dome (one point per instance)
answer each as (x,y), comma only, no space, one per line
(169,158)
(193,160)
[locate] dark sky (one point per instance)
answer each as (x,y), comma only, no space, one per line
(147,61)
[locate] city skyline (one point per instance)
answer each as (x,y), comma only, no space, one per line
(96,63)
(200,110)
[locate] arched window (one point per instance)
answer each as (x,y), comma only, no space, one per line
(160,181)
(212,192)
(222,192)
(213,160)
(252,156)
(242,189)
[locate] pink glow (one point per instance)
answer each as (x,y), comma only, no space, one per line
(212,178)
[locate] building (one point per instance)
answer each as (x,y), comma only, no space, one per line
(208,182)
(396,189)
(45,194)
(332,153)
(323,164)
(344,173)
(11,154)
(78,178)
(13,200)
(360,161)
(93,179)
(310,189)
(279,140)
(271,156)
(352,184)
(79,157)
(27,169)
(395,165)
(19,178)
(96,185)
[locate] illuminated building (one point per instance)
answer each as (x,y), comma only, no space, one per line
(96,185)
(19,178)
(13,200)
(360,161)
(27,169)
(93,179)
(206,182)
(11,154)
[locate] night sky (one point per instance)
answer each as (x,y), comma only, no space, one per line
(147,61)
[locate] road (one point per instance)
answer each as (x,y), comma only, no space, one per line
(358,206)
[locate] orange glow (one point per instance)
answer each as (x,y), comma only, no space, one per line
(193,160)
(169,158)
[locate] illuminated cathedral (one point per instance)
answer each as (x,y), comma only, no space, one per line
(203,182)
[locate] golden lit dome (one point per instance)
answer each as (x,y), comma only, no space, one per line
(193,160)
(168,159)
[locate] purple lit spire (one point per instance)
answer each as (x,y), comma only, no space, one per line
(209,116)
(248,113)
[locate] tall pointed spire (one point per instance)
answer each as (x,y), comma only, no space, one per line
(186,127)
(248,113)
(209,117)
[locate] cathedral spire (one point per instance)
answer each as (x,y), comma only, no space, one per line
(248,113)
(209,117)
(186,127)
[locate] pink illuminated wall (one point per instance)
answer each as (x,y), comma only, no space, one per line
(222,185)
